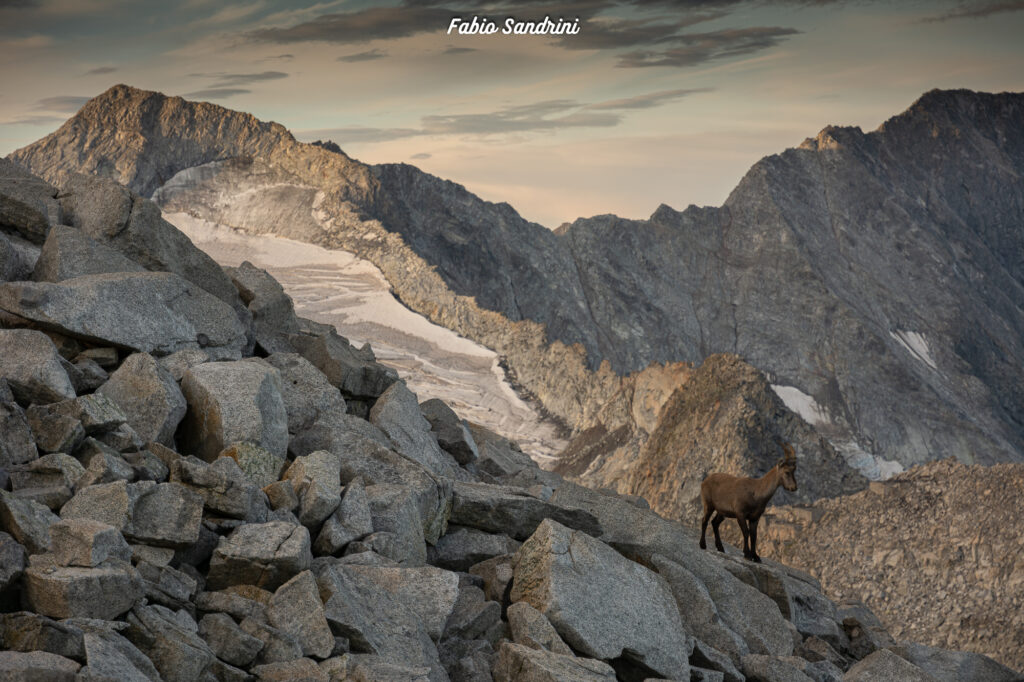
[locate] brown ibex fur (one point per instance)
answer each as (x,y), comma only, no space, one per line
(744,499)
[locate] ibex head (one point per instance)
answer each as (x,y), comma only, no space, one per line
(787,467)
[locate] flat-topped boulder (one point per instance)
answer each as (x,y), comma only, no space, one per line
(161,514)
(70,253)
(84,542)
(153,312)
(262,554)
(513,511)
(518,663)
(37,665)
(105,591)
(230,402)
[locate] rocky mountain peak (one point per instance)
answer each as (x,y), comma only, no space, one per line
(143,138)
(880,264)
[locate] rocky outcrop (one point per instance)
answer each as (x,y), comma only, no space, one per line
(933,551)
(161,565)
(667,428)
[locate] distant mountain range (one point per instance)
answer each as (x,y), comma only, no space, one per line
(877,279)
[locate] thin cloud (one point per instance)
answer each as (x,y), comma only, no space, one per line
(216,93)
(612,34)
(421,156)
(543,116)
(360,26)
(359,134)
(649,100)
(64,103)
(229,80)
(99,71)
(539,116)
(978,11)
(33,42)
(367,56)
(452,49)
(698,48)
(33,121)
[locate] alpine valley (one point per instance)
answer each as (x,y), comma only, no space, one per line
(860,296)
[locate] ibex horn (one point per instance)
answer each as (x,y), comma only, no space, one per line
(788,449)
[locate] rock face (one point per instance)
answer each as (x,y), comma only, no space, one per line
(641,292)
(233,402)
(880,546)
(665,430)
(31,367)
(149,397)
(164,566)
(588,590)
(153,312)
(29,204)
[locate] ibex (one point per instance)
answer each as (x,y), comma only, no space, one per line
(744,499)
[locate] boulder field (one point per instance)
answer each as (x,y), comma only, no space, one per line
(196,484)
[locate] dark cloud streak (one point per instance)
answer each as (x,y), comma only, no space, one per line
(648,100)
(357,134)
(99,71)
(33,121)
(611,34)
(360,26)
(977,11)
(216,93)
(697,48)
(367,56)
(539,116)
(65,103)
(543,116)
(226,80)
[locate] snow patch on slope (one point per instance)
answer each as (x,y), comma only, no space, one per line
(916,345)
(870,466)
(801,403)
(338,288)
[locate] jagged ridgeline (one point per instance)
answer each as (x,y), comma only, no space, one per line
(876,279)
(200,485)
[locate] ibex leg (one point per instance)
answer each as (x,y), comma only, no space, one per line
(715,523)
(704,525)
(753,539)
(746,536)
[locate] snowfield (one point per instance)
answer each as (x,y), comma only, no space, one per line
(336,287)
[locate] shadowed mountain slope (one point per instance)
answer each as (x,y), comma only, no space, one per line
(877,279)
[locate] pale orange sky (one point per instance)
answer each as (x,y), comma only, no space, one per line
(655,101)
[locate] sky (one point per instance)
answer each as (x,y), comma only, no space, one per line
(651,102)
